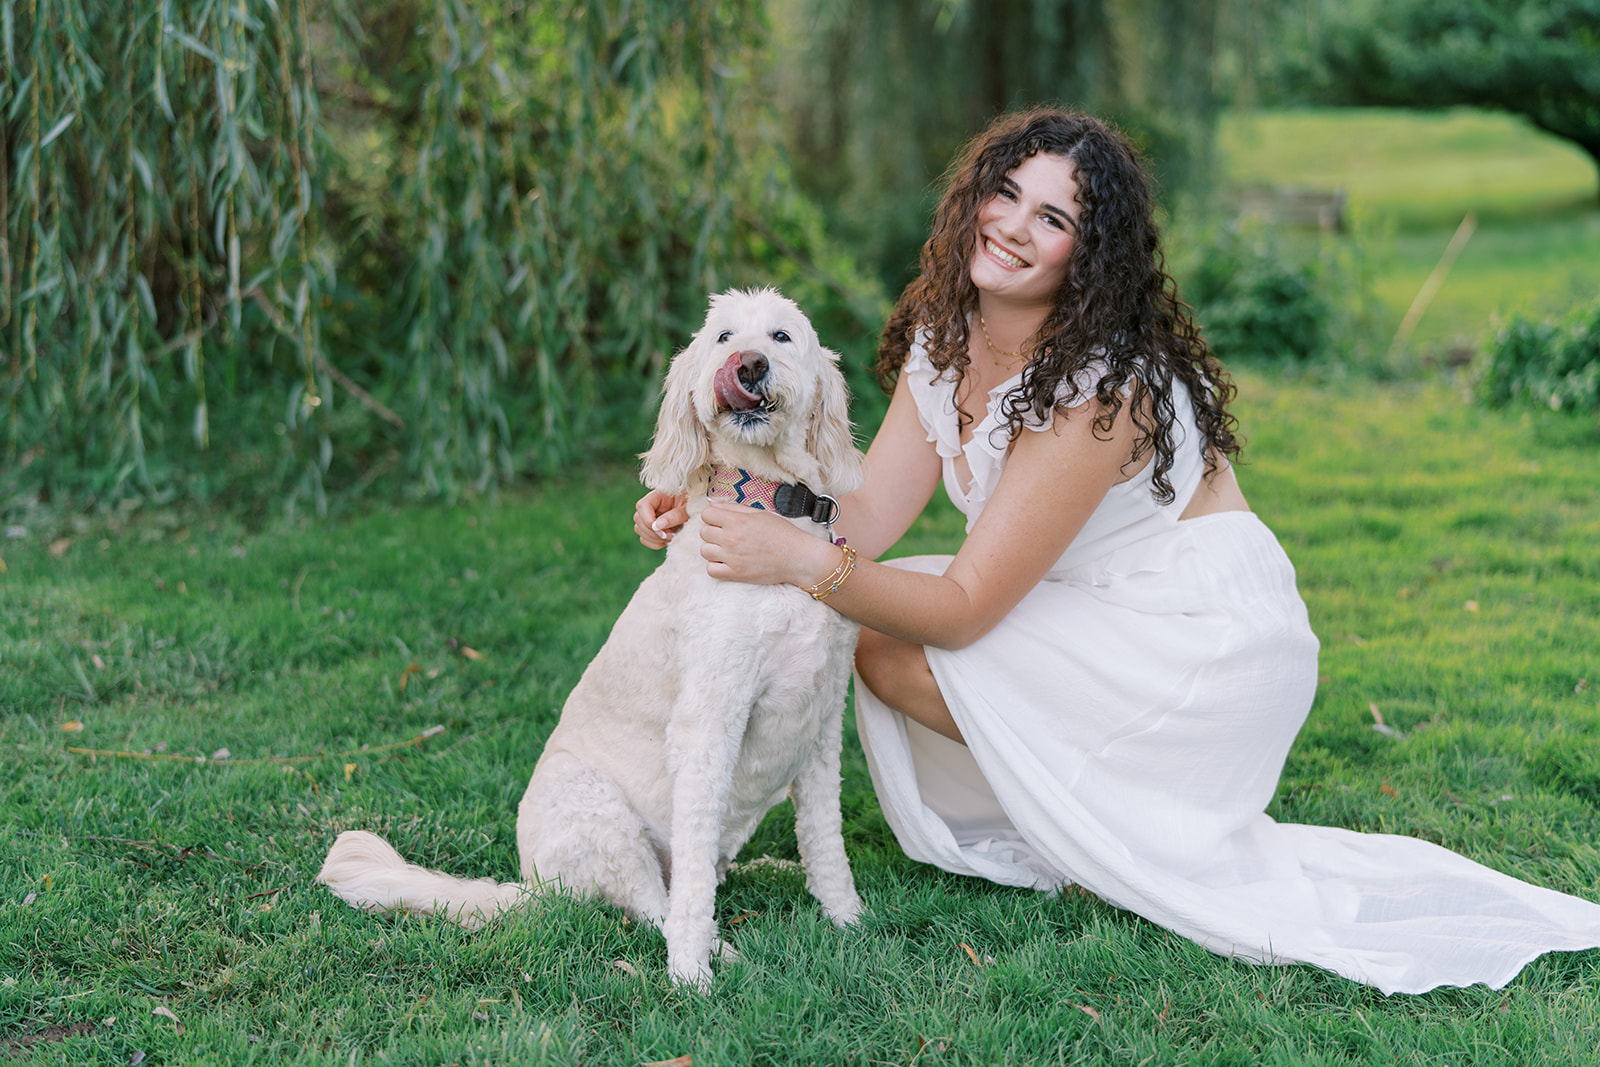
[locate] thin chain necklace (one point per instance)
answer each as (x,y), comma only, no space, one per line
(1008,358)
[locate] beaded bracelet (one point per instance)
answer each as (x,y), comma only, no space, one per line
(846,567)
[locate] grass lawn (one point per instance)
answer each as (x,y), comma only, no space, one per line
(1412,176)
(274,684)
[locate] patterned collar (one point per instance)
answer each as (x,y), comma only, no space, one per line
(792,500)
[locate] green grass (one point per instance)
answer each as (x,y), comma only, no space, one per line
(128,885)
(1411,177)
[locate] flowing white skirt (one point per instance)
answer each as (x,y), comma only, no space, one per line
(1126,726)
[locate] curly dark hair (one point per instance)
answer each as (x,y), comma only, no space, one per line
(1117,304)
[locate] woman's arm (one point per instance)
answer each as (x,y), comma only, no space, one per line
(902,471)
(1053,481)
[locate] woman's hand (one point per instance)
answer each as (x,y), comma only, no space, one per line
(658,517)
(742,544)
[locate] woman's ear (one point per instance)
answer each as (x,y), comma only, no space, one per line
(681,446)
(829,437)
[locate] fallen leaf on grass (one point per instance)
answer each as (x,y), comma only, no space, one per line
(1387,790)
(626,968)
(742,916)
(222,753)
(455,644)
(975,961)
(99,664)
(137,1058)
(682,1061)
(405,675)
(166,1013)
(1471,605)
(1379,725)
(58,548)
(349,769)
(72,727)
(1090,1012)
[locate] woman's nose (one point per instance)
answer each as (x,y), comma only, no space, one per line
(1013,223)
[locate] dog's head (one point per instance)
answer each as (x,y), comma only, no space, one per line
(755,389)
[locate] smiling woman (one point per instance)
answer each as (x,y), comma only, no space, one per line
(1101,686)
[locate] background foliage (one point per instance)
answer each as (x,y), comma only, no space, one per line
(1555,363)
(1539,59)
(451,239)
(287,250)
(876,96)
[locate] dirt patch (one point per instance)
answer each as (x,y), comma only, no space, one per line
(19,1046)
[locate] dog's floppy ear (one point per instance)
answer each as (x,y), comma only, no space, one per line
(681,446)
(828,437)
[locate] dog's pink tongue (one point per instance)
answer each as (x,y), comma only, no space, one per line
(731,393)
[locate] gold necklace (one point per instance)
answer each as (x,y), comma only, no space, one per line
(1009,357)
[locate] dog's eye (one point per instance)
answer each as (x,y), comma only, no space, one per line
(722,338)
(781,336)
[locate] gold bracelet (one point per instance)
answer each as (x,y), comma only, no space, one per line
(846,567)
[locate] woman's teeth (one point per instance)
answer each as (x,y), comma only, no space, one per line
(1003,256)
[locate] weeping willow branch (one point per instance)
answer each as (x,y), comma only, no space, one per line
(486,222)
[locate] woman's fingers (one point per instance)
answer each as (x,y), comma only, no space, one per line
(658,516)
(744,545)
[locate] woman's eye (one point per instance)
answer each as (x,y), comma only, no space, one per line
(722,338)
(781,336)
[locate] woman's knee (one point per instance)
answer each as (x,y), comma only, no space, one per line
(880,659)
(898,674)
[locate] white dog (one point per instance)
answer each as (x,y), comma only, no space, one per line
(711,700)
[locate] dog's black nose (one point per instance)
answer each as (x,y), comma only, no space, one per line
(752,369)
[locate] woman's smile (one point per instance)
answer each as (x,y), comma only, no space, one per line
(1005,258)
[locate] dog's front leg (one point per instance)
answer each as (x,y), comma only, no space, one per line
(703,745)
(818,826)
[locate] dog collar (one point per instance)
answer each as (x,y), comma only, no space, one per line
(792,500)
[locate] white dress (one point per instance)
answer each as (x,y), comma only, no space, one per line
(1126,725)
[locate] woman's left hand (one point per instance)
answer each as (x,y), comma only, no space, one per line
(742,544)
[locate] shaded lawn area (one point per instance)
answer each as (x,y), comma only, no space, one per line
(166,906)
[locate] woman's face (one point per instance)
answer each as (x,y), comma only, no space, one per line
(1026,232)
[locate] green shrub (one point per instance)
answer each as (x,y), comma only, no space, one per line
(1258,302)
(1552,363)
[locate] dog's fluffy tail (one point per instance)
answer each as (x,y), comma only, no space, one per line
(365,872)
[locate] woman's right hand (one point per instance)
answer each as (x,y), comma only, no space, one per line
(658,516)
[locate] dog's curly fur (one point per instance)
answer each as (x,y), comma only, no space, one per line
(709,702)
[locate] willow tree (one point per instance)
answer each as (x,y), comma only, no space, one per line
(157,178)
(448,240)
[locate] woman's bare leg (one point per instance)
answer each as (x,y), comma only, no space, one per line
(897,672)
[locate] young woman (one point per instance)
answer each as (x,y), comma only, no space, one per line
(1101,685)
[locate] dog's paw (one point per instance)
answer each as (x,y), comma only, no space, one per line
(690,974)
(846,913)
